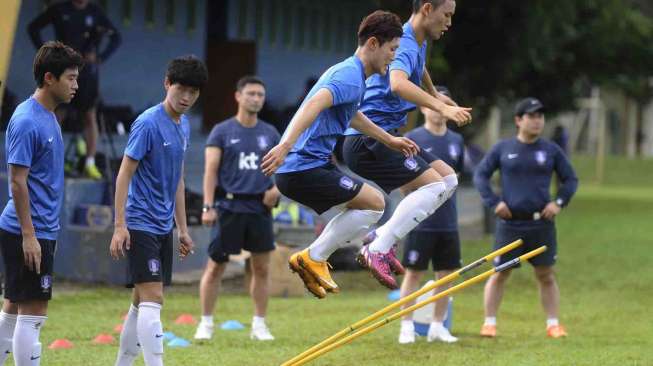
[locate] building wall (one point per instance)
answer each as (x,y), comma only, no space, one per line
(134,74)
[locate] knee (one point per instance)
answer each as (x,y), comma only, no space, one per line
(260,271)
(214,270)
(150,295)
(502,276)
(545,277)
(376,201)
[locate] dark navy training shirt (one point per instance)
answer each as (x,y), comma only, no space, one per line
(242,151)
(449,148)
(525,173)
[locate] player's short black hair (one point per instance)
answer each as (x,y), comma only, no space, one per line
(417,4)
(248,79)
(54,57)
(383,25)
(188,71)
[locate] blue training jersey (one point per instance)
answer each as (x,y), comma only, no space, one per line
(380,104)
(450,148)
(159,145)
(525,174)
(242,150)
(34,141)
(346,82)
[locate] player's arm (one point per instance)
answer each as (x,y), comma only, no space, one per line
(427,84)
(405,89)
(363,124)
(114,37)
(212,158)
(186,244)
(568,185)
(35,26)
(482,176)
(20,194)
(120,240)
(303,119)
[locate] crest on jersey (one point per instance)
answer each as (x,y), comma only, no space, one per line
(89,21)
(540,157)
(453,151)
(154,265)
(346,183)
(262,142)
(411,164)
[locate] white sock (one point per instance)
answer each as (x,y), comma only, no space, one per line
(490,320)
(412,210)
(27,349)
(129,346)
(437,324)
(90,160)
(7,326)
(207,319)
(346,226)
(451,183)
(150,333)
(258,321)
(552,322)
(407,324)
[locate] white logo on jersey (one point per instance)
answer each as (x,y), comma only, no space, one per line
(429,149)
(234,141)
(512,156)
(248,162)
(540,157)
(51,139)
(166,143)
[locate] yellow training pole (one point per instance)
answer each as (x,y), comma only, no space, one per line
(410,309)
(409,298)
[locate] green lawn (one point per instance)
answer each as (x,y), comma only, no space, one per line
(604,272)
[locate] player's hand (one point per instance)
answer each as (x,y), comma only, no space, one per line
(209,217)
(503,211)
(460,115)
(186,244)
(404,145)
(274,158)
(32,253)
(551,211)
(120,242)
(271,197)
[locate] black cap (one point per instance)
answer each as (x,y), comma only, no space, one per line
(443,90)
(528,105)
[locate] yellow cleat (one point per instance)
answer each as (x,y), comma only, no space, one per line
(319,271)
(489,331)
(309,281)
(92,172)
(556,331)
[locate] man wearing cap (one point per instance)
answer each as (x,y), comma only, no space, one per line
(525,209)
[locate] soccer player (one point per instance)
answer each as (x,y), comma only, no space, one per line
(303,157)
(29,223)
(388,99)
(150,182)
(245,198)
(82,25)
(436,239)
(525,210)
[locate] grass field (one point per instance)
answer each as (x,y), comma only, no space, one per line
(604,272)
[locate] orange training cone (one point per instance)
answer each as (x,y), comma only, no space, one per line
(103,339)
(61,344)
(185,319)
(118,328)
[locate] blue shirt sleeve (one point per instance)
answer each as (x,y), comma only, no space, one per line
(215,138)
(568,179)
(484,171)
(406,58)
(22,141)
(344,88)
(140,140)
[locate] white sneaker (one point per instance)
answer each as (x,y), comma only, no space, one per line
(437,332)
(407,333)
(204,331)
(261,333)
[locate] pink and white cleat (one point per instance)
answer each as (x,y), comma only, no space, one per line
(394,263)
(377,264)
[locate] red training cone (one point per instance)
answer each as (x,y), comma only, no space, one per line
(61,344)
(118,328)
(103,339)
(186,319)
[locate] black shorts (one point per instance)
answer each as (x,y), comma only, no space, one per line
(319,188)
(534,237)
(236,231)
(441,248)
(87,95)
(149,258)
(21,283)
(388,168)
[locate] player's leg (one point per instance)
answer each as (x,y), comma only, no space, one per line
(209,288)
(91,136)
(32,315)
(409,285)
(8,318)
(492,296)
(130,348)
(446,260)
(260,264)
(550,298)
(448,175)
(149,326)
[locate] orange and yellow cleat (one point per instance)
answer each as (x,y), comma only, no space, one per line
(556,331)
(489,331)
